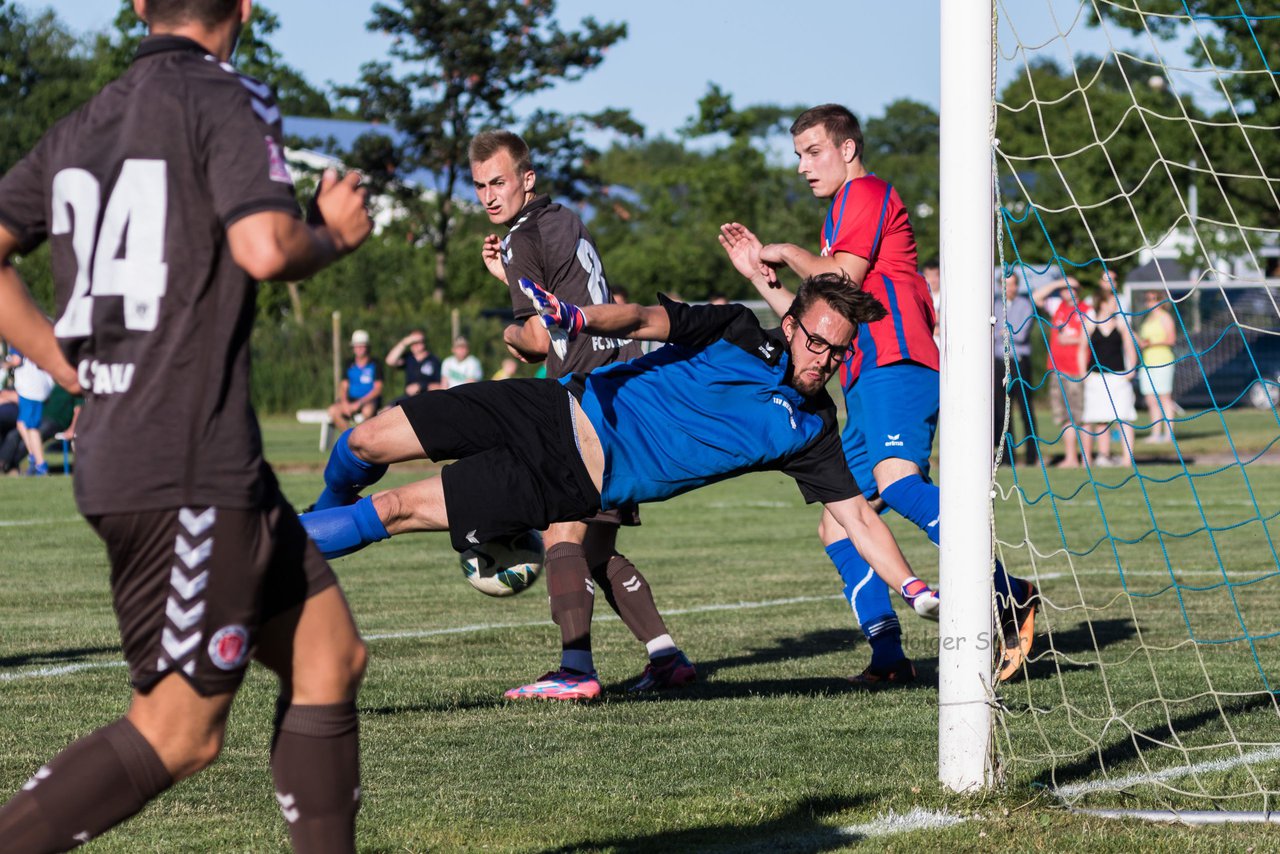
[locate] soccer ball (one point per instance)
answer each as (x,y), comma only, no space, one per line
(505,566)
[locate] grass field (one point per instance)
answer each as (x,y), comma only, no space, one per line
(770,751)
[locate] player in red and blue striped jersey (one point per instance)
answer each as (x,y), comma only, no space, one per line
(890,382)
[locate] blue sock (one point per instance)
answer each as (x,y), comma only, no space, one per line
(345,475)
(342,530)
(917,499)
(868,596)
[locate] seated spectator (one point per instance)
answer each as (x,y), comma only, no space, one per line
(421,367)
(360,391)
(61,411)
(461,367)
(507,371)
(9,422)
(33,386)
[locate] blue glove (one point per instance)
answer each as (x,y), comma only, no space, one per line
(556,313)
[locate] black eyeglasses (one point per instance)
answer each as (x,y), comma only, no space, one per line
(817,345)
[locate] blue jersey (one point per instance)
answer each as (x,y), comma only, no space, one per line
(714,403)
(360,380)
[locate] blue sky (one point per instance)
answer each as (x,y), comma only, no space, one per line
(860,53)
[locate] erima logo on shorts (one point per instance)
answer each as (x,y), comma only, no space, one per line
(893,440)
(229,647)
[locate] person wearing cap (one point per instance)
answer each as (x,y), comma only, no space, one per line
(461,367)
(360,392)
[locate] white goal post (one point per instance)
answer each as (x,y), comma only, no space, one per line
(967,219)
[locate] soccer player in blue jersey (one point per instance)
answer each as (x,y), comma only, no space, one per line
(724,397)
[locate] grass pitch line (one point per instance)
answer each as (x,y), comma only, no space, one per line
(891,823)
(1255,758)
(66,669)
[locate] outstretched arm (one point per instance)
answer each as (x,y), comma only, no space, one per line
(644,322)
(875,542)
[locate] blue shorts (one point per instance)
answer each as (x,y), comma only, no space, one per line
(892,413)
(30,412)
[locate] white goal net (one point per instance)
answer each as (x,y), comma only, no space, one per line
(1138,154)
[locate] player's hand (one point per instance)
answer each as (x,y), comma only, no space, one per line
(555,313)
(341,206)
(491,252)
(743,249)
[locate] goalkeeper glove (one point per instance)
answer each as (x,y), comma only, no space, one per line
(555,313)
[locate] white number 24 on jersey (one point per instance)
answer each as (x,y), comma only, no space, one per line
(133,222)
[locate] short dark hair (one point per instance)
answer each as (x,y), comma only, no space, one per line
(839,123)
(206,12)
(931,264)
(838,291)
(486,144)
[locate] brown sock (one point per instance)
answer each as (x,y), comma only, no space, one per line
(572,594)
(315,762)
(93,785)
(630,596)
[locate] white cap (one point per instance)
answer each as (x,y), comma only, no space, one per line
(359,337)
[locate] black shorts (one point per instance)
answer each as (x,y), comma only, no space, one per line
(518,466)
(192,587)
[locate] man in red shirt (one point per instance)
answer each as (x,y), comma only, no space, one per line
(891,380)
(1060,300)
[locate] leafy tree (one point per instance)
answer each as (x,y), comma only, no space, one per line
(44,74)
(1239,146)
(461,66)
(1083,174)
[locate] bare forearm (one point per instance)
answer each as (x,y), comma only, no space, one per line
(642,322)
(25,326)
(873,540)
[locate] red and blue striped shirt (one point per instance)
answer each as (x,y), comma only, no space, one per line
(868,219)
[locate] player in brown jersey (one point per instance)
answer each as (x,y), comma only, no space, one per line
(163,199)
(548,243)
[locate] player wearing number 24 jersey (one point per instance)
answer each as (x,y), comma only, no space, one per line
(163,199)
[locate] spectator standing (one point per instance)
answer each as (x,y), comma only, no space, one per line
(461,367)
(1156,337)
(1061,302)
(33,386)
(360,391)
(421,367)
(1108,389)
(1013,311)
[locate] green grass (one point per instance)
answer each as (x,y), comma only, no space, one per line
(769,751)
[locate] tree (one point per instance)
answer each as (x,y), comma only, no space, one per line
(462,65)
(44,74)
(1237,145)
(1084,176)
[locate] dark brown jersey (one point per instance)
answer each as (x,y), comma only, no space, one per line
(549,244)
(135,192)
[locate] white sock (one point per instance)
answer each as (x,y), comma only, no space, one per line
(577,659)
(661,645)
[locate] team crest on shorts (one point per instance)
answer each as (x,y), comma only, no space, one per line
(229,647)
